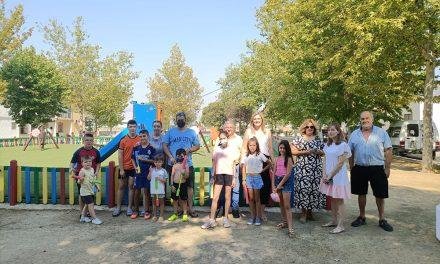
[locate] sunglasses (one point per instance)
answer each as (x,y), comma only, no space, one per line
(312,127)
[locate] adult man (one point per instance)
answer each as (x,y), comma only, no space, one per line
(187,139)
(126,168)
(86,150)
(370,162)
(236,141)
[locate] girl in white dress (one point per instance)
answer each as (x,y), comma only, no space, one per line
(335,181)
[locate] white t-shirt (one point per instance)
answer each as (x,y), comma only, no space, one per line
(156,186)
(332,154)
(224,159)
(254,163)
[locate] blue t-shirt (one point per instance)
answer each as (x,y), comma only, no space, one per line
(176,139)
(145,153)
(371,152)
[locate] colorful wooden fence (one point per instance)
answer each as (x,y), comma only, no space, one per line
(36,185)
(20,142)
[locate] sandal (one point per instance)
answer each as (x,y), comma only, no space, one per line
(155,219)
(291,233)
(281,225)
(337,230)
(329,224)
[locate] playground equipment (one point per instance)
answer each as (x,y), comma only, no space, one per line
(144,114)
(40,134)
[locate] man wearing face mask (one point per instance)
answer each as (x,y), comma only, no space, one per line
(181,137)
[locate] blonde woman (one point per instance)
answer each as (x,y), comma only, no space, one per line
(308,170)
(257,129)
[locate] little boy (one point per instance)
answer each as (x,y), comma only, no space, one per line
(88,181)
(158,178)
(142,159)
(179,188)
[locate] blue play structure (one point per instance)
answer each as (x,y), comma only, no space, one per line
(144,114)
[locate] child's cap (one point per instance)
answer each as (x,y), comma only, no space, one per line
(180,152)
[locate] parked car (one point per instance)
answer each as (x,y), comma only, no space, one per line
(406,137)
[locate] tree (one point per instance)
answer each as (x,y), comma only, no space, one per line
(214,115)
(79,62)
(12,35)
(35,88)
(113,90)
(175,88)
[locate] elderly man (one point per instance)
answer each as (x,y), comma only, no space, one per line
(370,162)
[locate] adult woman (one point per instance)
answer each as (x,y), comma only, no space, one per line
(308,170)
(257,129)
(156,140)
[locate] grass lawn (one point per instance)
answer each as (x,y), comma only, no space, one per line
(53,157)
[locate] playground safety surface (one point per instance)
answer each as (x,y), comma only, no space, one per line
(56,236)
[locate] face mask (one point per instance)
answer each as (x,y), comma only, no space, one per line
(179,160)
(180,123)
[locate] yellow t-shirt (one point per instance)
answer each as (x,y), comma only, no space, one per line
(88,182)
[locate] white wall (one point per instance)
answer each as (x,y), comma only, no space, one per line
(8,128)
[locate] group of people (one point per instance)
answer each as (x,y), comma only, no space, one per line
(306,169)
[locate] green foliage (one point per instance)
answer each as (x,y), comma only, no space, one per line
(35,88)
(113,90)
(175,88)
(11,36)
(99,89)
(213,115)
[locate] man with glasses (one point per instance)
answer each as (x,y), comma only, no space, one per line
(370,162)
(182,137)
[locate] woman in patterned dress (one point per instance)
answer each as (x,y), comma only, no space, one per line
(308,170)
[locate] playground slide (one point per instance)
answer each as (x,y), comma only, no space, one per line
(144,114)
(107,150)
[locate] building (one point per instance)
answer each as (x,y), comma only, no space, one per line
(8,127)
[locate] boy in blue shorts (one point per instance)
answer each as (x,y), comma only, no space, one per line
(142,159)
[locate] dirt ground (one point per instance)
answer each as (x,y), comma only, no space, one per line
(56,236)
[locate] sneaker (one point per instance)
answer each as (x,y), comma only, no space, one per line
(257,221)
(185,218)
(116,212)
(358,222)
(235,214)
(141,213)
(96,221)
(147,215)
(385,226)
(173,217)
(208,224)
(250,221)
(85,219)
(129,212)
(160,219)
(226,223)
(134,215)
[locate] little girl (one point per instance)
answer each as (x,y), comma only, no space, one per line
(158,177)
(282,183)
(335,181)
(253,165)
(223,167)
(88,181)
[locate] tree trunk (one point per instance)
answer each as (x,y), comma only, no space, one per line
(427,116)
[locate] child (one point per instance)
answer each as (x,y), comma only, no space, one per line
(223,166)
(142,158)
(282,184)
(88,181)
(179,188)
(76,164)
(335,181)
(253,165)
(158,177)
